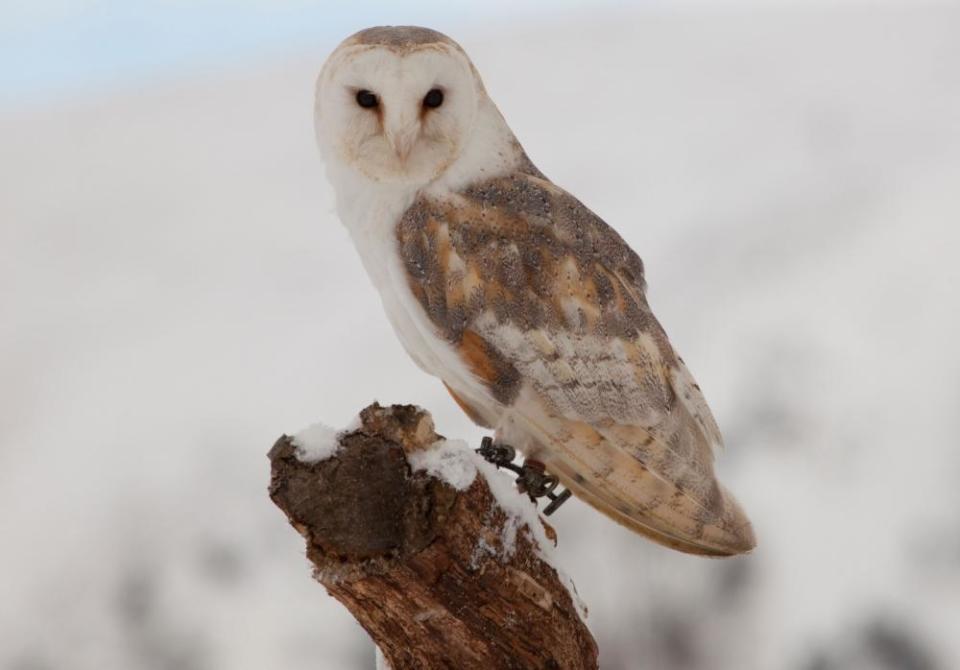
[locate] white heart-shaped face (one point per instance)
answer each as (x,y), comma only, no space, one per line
(396,115)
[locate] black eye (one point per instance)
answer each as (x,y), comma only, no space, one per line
(433,99)
(366,99)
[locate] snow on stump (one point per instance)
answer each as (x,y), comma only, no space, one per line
(432,550)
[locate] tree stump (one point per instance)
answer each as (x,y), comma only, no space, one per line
(431,549)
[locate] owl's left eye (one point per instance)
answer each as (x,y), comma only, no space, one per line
(366,99)
(433,99)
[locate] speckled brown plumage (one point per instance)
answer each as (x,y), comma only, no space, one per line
(545,303)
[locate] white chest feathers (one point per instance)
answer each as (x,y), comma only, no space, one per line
(372,222)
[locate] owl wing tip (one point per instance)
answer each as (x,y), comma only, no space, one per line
(724,542)
(724,531)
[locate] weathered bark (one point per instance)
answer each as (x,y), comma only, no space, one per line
(420,564)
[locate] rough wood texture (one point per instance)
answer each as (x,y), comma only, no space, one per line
(419,563)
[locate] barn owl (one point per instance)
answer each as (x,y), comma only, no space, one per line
(529,308)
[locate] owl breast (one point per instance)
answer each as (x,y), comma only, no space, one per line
(373,230)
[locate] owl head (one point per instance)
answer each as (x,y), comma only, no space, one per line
(397,103)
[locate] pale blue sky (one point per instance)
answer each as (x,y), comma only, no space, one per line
(57,48)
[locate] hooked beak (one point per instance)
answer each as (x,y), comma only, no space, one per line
(402,137)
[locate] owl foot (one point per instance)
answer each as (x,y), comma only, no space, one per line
(532,477)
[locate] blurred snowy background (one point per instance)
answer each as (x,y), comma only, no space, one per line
(175,292)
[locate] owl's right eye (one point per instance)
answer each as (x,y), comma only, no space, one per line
(366,99)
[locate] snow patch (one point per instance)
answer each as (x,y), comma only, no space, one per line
(522,514)
(517,506)
(447,460)
(567,582)
(317,442)
(457,464)
(481,550)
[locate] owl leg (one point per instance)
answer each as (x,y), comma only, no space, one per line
(537,483)
(532,476)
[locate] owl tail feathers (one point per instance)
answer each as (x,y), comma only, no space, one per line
(729,533)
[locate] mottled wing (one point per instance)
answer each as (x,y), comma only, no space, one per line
(546,305)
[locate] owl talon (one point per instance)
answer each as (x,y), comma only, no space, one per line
(555,501)
(534,480)
(532,477)
(501,455)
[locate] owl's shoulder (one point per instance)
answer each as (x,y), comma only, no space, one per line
(524,252)
(521,210)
